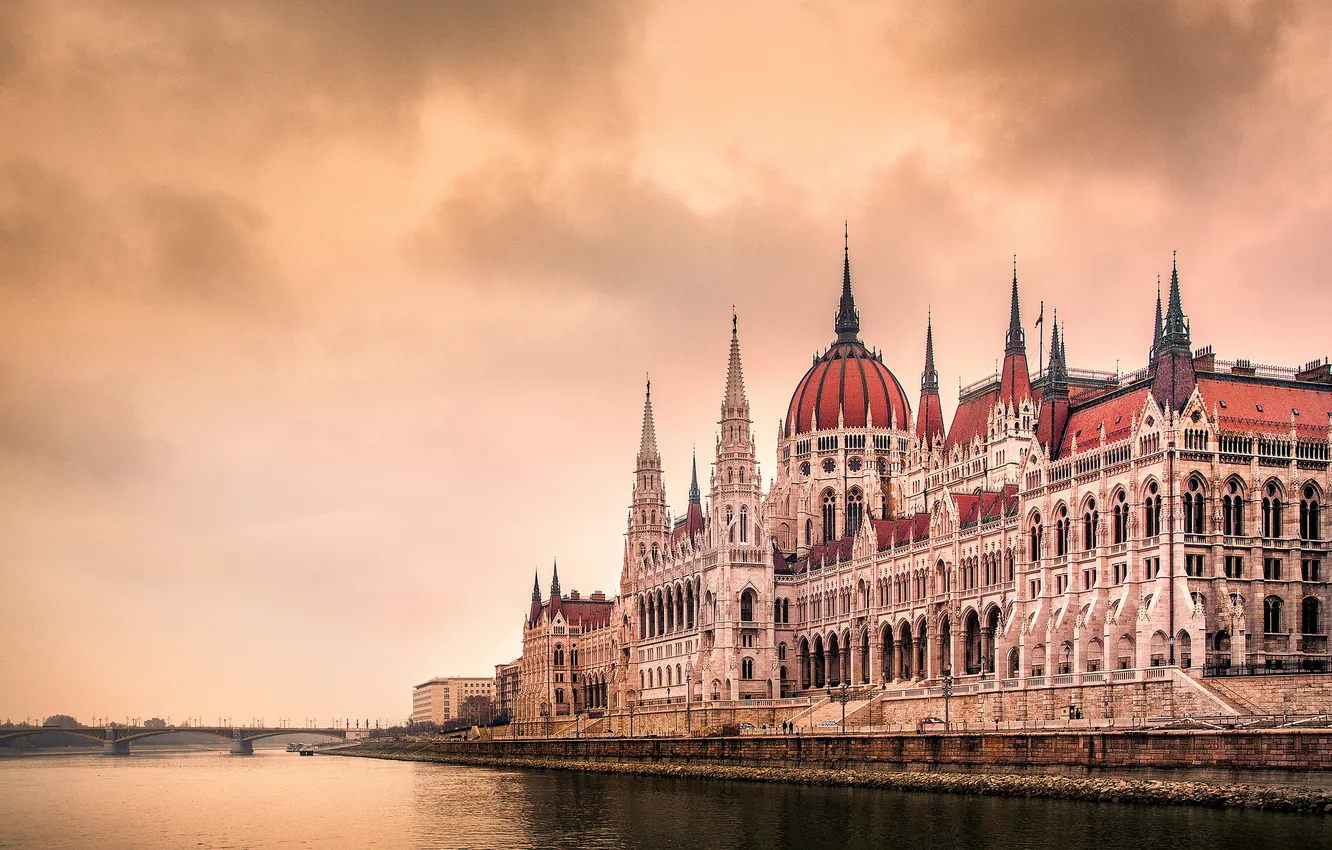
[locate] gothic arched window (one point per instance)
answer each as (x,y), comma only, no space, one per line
(747,606)
(1309,518)
(744,522)
(1152,510)
(1193,508)
(829,516)
(1036,535)
(730,525)
(1232,510)
(855,508)
(1121,514)
(809,532)
(1272,510)
(1091,520)
(1061,531)
(747,668)
(1272,614)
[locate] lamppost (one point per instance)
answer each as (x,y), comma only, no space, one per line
(982,660)
(689,690)
(948,694)
(631,719)
(545,715)
(1068,667)
(843,696)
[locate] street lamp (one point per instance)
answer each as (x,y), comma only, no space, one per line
(545,714)
(1068,651)
(631,719)
(982,660)
(689,690)
(947,694)
(843,696)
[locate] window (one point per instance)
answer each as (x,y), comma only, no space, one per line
(1120,573)
(1091,519)
(1061,582)
(744,523)
(1232,510)
(781,652)
(1272,569)
(1309,616)
(1035,588)
(747,640)
(747,668)
(809,532)
(1309,569)
(1272,614)
(1088,579)
(1152,510)
(747,606)
(1234,566)
(1121,516)
(1193,508)
(1061,531)
(1193,565)
(1310,521)
(855,505)
(829,516)
(1271,511)
(1151,567)
(730,523)
(1035,535)
(558,659)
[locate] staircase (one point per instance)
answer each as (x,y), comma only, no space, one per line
(801,719)
(1231,697)
(830,711)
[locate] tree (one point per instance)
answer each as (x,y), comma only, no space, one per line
(63,721)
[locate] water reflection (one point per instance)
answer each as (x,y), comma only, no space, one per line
(276,800)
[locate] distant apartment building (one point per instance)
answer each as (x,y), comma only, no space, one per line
(441,699)
(506,687)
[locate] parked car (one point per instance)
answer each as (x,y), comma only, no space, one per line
(829,724)
(746,727)
(930,724)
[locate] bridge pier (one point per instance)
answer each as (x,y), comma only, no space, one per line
(116,748)
(242,747)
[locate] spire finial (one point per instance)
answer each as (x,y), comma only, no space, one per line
(735,322)
(536,585)
(555,579)
(1015,341)
(648,456)
(848,318)
(695,496)
(1175,329)
(929,379)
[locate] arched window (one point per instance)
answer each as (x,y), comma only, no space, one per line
(642,619)
(829,516)
(1152,510)
(781,652)
(1309,519)
(1232,510)
(742,475)
(644,517)
(809,532)
(1061,531)
(747,606)
(855,507)
(1309,616)
(1271,510)
(1121,512)
(744,523)
(1272,614)
(786,610)
(559,695)
(747,668)
(1036,535)
(654,516)
(1091,520)
(558,656)
(730,523)
(1193,507)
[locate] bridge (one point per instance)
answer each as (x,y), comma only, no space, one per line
(116,739)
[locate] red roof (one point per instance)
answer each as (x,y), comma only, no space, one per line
(1107,420)
(985,506)
(929,419)
(1015,381)
(1237,402)
(848,377)
(688,525)
(582,612)
(971,419)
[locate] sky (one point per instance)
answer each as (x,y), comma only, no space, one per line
(323,325)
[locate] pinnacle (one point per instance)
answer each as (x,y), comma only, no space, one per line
(1016,340)
(648,456)
(929,379)
(735,403)
(555,580)
(848,318)
(695,497)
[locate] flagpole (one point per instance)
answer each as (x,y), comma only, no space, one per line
(1040,341)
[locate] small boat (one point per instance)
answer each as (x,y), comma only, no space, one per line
(307,751)
(294,747)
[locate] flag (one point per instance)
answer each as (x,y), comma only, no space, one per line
(1040,320)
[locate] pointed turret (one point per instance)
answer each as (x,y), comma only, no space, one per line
(735,479)
(555,581)
(929,413)
(534,612)
(1015,378)
(1173,377)
(695,496)
(735,404)
(648,456)
(848,318)
(1156,326)
(1055,400)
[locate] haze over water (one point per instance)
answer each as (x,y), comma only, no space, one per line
(276,799)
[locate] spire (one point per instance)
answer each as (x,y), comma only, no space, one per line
(695,497)
(1015,342)
(536,587)
(1156,328)
(735,403)
(555,580)
(848,318)
(929,379)
(648,457)
(1175,331)
(1058,378)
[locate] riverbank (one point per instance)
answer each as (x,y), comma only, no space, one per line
(1094,789)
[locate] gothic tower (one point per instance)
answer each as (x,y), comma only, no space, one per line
(649,517)
(929,413)
(1173,377)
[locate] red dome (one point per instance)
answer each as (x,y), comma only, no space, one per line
(849,377)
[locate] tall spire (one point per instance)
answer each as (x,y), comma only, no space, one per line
(1016,341)
(1156,326)
(695,497)
(536,586)
(555,580)
(929,379)
(1175,332)
(735,403)
(929,413)
(1058,379)
(848,318)
(648,456)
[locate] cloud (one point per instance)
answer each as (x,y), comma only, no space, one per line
(1090,87)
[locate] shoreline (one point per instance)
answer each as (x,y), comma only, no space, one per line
(1086,789)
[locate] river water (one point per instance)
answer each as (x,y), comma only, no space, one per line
(278,799)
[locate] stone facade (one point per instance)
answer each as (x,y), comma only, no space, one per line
(1068,528)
